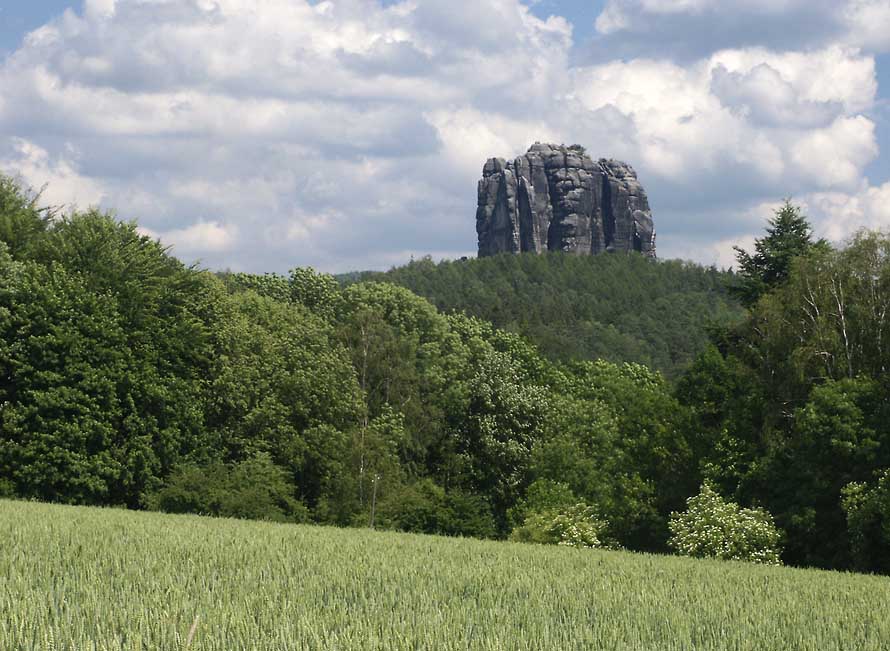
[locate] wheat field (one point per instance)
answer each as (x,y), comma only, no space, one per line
(75,578)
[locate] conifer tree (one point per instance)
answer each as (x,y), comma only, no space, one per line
(788,236)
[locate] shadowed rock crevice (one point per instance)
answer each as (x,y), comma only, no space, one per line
(556,198)
(608,215)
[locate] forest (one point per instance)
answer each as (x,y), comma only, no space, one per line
(130,379)
(619,307)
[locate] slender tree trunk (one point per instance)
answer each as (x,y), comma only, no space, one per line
(374,499)
(363,380)
(837,291)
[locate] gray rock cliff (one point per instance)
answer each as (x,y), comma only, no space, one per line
(556,198)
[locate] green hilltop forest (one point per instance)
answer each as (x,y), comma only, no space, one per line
(130,379)
(619,307)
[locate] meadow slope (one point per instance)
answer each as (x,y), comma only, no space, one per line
(84,578)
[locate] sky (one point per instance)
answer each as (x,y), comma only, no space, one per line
(262,135)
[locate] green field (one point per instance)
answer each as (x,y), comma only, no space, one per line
(82,578)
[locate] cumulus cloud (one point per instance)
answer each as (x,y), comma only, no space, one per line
(836,155)
(764,119)
(99,9)
(768,98)
(198,239)
(867,24)
(837,215)
(693,27)
(624,14)
(56,177)
(831,74)
(264,134)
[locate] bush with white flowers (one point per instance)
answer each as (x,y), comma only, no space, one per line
(574,526)
(578,526)
(716,528)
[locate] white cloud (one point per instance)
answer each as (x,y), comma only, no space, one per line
(838,215)
(720,253)
(836,155)
(858,23)
(57,176)
(833,74)
(868,24)
(719,233)
(739,112)
(263,134)
(302,228)
(766,97)
(619,15)
(471,136)
(699,6)
(198,239)
(99,9)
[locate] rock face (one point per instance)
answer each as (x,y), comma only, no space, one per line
(556,198)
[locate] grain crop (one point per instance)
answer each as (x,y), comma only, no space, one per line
(76,578)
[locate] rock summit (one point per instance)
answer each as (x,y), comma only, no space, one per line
(556,198)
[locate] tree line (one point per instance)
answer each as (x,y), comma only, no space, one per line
(619,307)
(130,379)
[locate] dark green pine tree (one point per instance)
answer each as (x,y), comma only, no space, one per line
(788,236)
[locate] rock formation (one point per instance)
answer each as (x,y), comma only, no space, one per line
(556,198)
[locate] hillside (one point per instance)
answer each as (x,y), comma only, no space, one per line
(79,578)
(622,308)
(131,379)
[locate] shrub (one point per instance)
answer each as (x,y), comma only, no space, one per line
(255,489)
(868,523)
(425,507)
(713,527)
(7,489)
(543,495)
(574,526)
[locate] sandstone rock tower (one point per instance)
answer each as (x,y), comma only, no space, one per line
(556,198)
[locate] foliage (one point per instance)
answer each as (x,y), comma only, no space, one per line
(573,526)
(320,293)
(425,507)
(22,223)
(623,444)
(542,495)
(794,403)
(622,308)
(315,291)
(579,526)
(788,236)
(253,489)
(713,527)
(506,416)
(868,515)
(278,372)
(62,352)
(90,414)
(129,379)
(81,578)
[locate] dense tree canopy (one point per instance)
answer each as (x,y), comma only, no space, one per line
(127,378)
(796,400)
(619,307)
